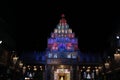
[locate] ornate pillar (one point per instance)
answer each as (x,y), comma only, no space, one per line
(71,73)
(77,73)
(52,72)
(45,73)
(80,77)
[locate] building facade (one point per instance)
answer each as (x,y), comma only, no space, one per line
(62,52)
(62,59)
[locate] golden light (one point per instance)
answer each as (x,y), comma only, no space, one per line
(27,78)
(20,64)
(24,67)
(40,67)
(28,66)
(97,71)
(100,67)
(55,31)
(107,65)
(83,67)
(15,58)
(70,30)
(88,70)
(63,31)
(62,66)
(81,70)
(89,67)
(35,68)
(95,67)
(117,56)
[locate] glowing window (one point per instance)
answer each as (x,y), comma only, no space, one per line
(50,55)
(74,56)
(68,47)
(59,31)
(58,27)
(55,31)
(66,31)
(62,31)
(62,27)
(55,55)
(53,47)
(66,26)
(70,30)
(56,48)
(69,56)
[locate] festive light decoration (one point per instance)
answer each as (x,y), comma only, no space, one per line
(62,40)
(55,31)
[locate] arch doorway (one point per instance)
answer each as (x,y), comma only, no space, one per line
(62,74)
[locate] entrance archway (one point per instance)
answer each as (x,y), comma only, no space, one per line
(62,74)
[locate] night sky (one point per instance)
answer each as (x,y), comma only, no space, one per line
(28,24)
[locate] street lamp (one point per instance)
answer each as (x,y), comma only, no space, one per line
(117,55)
(15,58)
(117,37)
(35,68)
(97,71)
(24,69)
(118,40)
(107,65)
(20,64)
(0,41)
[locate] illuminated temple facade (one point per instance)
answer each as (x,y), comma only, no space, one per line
(62,59)
(62,52)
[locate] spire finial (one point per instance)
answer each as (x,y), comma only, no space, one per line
(62,15)
(63,20)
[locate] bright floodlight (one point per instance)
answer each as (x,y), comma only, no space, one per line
(0,42)
(117,37)
(118,49)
